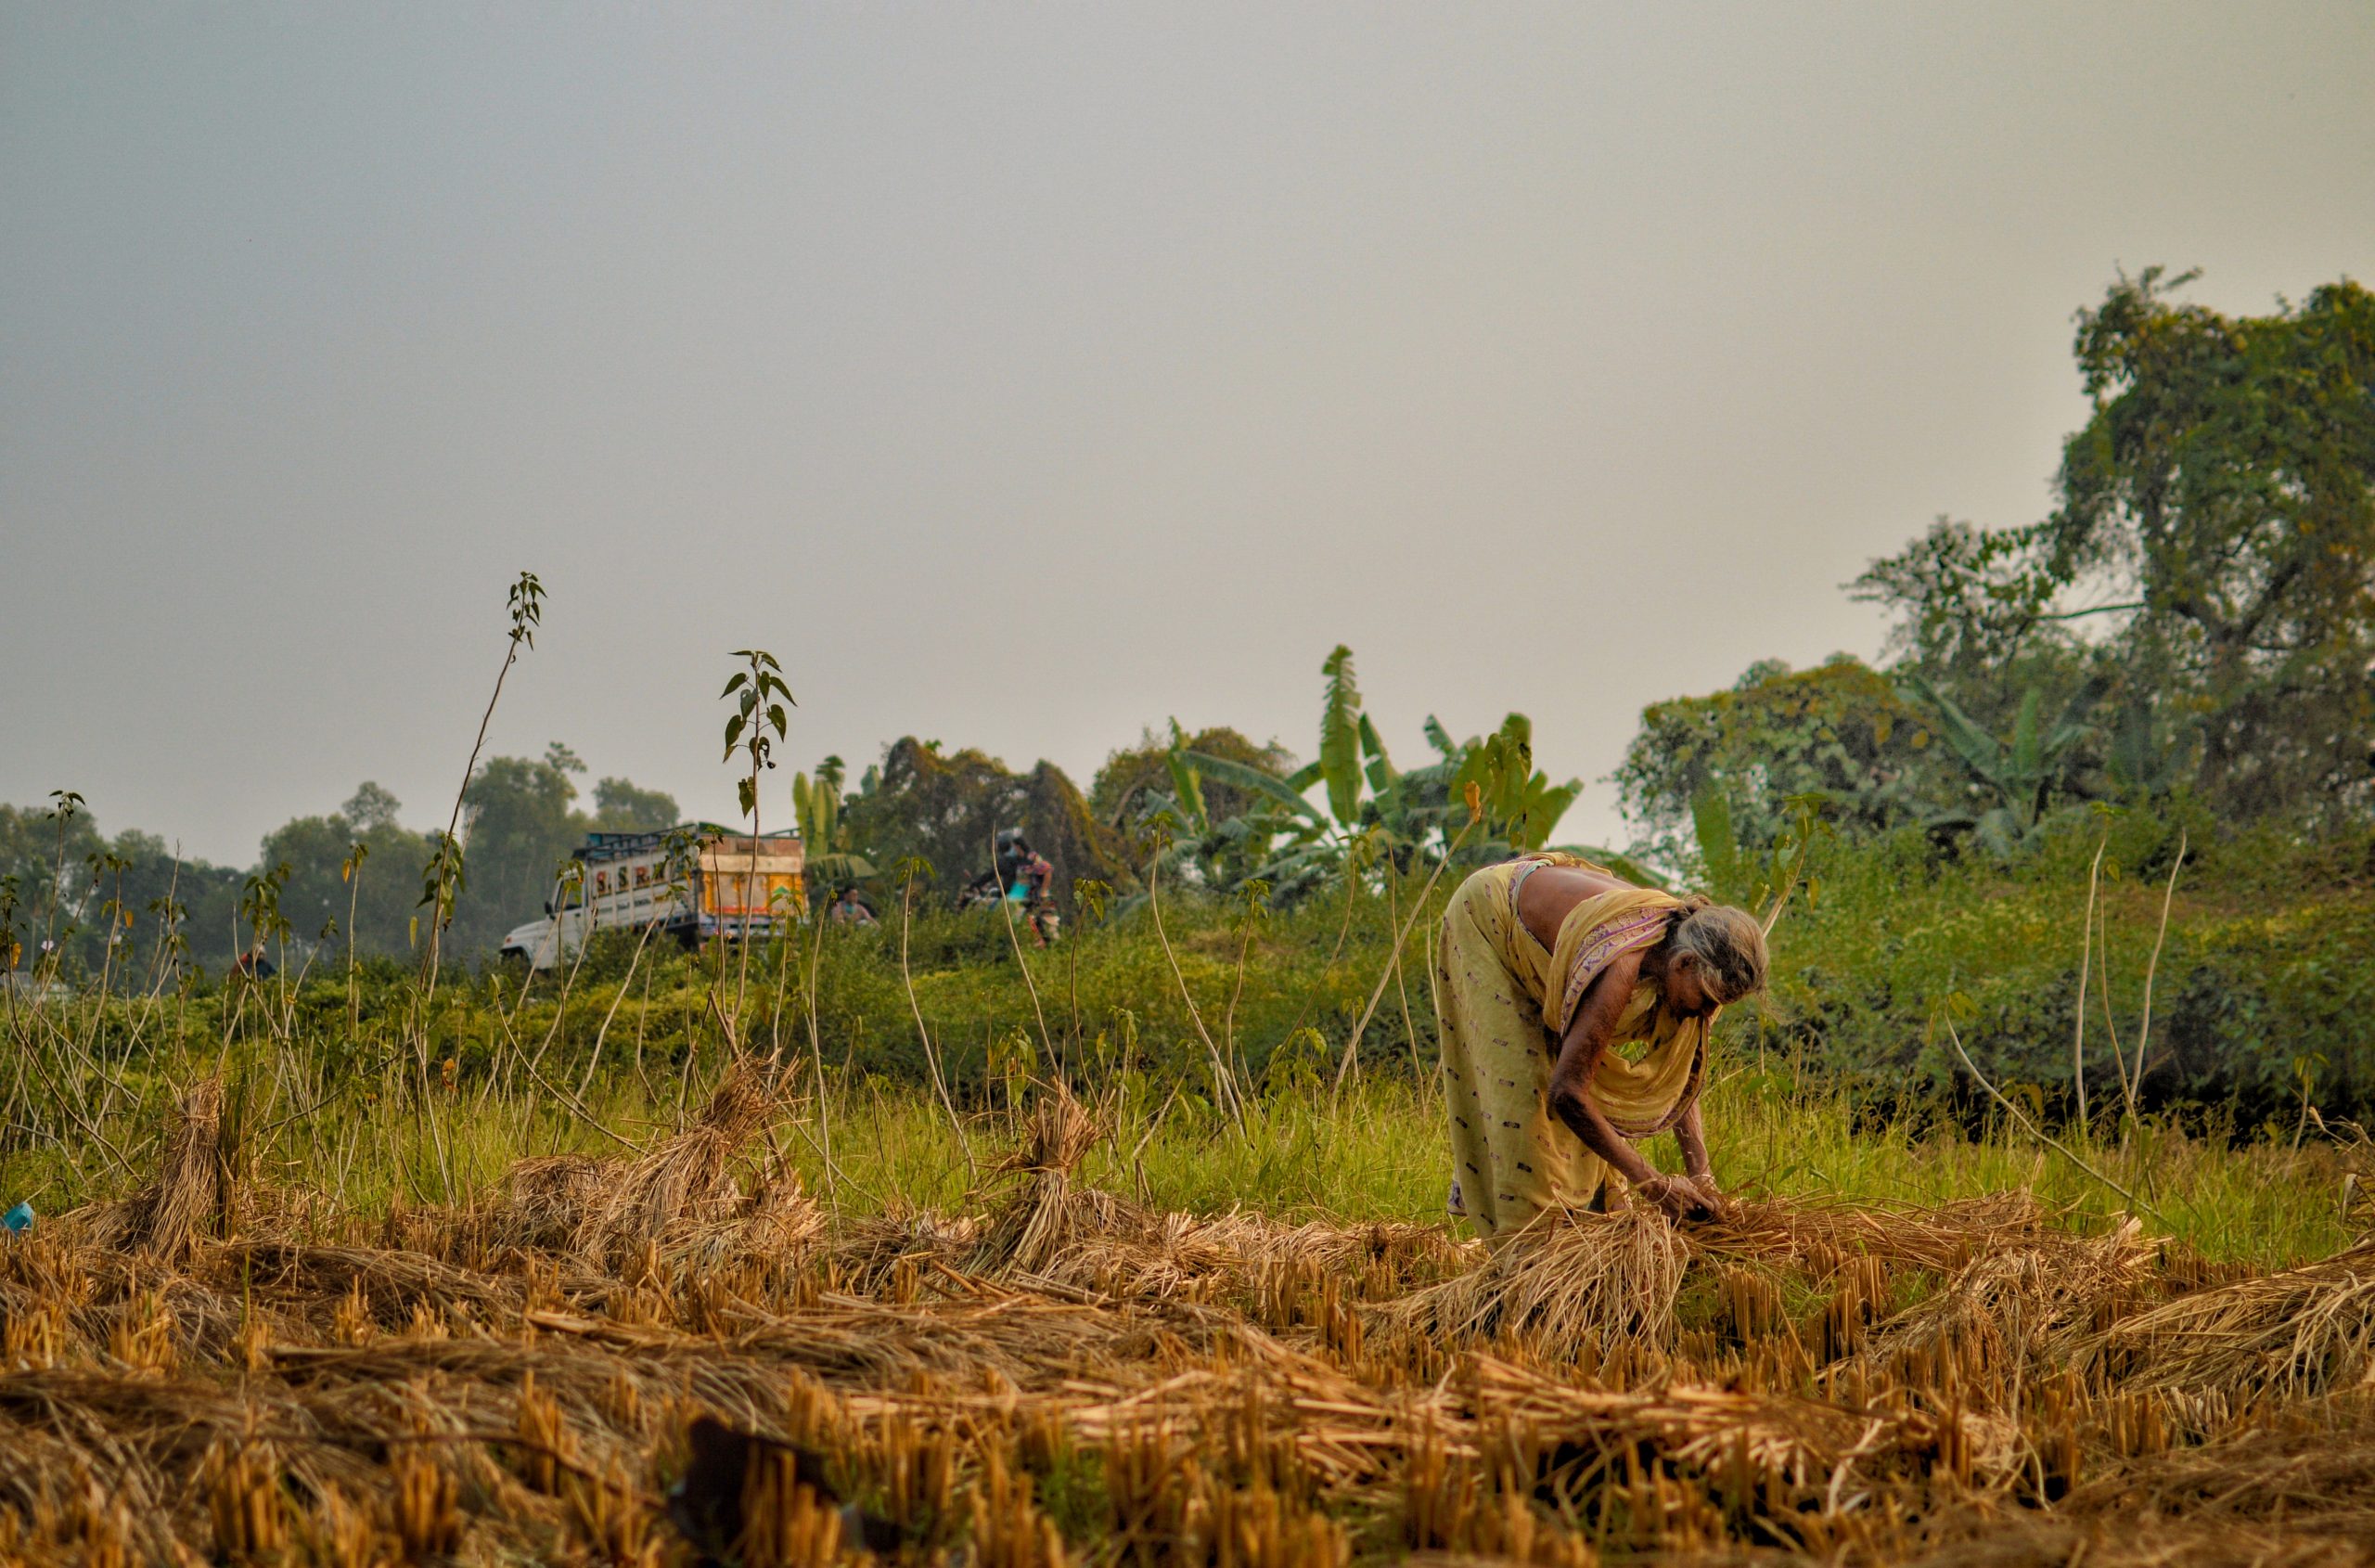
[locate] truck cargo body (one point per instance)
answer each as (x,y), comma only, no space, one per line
(727,886)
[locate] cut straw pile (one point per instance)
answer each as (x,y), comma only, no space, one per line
(1060,1375)
(164,1217)
(1572,1280)
(2298,1334)
(682,1192)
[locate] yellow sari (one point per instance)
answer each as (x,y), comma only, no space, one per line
(1502,1001)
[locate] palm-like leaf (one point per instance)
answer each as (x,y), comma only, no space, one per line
(1980,752)
(1189,786)
(2027,748)
(1719,845)
(1546,804)
(1340,740)
(838,867)
(2077,720)
(1379,767)
(1280,792)
(1624,864)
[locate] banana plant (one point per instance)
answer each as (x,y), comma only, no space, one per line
(1371,808)
(1727,865)
(1340,723)
(1311,844)
(1741,874)
(1208,852)
(2019,773)
(817,806)
(1521,805)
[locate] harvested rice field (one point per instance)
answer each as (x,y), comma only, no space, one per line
(678,1356)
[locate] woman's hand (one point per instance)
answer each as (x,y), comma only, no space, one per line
(1691,1135)
(1678,1199)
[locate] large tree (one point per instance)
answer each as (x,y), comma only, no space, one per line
(2216,522)
(64,885)
(518,832)
(1840,732)
(946,809)
(374,894)
(623,807)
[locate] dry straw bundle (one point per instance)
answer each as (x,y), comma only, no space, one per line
(1568,1280)
(165,1218)
(1047,1215)
(2298,1334)
(1819,1236)
(611,1207)
(2007,1308)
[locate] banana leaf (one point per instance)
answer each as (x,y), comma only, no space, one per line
(1278,791)
(1340,740)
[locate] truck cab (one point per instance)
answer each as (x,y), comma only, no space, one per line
(543,944)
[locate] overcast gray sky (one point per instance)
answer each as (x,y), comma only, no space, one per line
(1025,374)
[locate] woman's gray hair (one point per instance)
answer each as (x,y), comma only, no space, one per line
(1728,942)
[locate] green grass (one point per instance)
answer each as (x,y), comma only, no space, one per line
(1381,1155)
(1825,1091)
(1375,1153)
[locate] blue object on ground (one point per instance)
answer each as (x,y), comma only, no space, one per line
(19,1219)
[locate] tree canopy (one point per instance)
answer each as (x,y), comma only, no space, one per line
(945,810)
(1841,731)
(2196,614)
(2210,566)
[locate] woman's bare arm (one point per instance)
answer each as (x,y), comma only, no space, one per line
(1587,1035)
(1691,1134)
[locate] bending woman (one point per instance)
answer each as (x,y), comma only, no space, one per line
(1549,972)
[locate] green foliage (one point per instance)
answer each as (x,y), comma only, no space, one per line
(945,810)
(344,870)
(525,605)
(1521,806)
(2019,776)
(621,806)
(2218,510)
(1376,813)
(1720,855)
(1841,733)
(58,873)
(321,889)
(758,721)
(519,829)
(1262,789)
(444,878)
(817,806)
(1209,789)
(1340,738)
(1208,812)
(1967,603)
(1826,1086)
(2226,483)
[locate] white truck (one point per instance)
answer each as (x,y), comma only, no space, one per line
(697,883)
